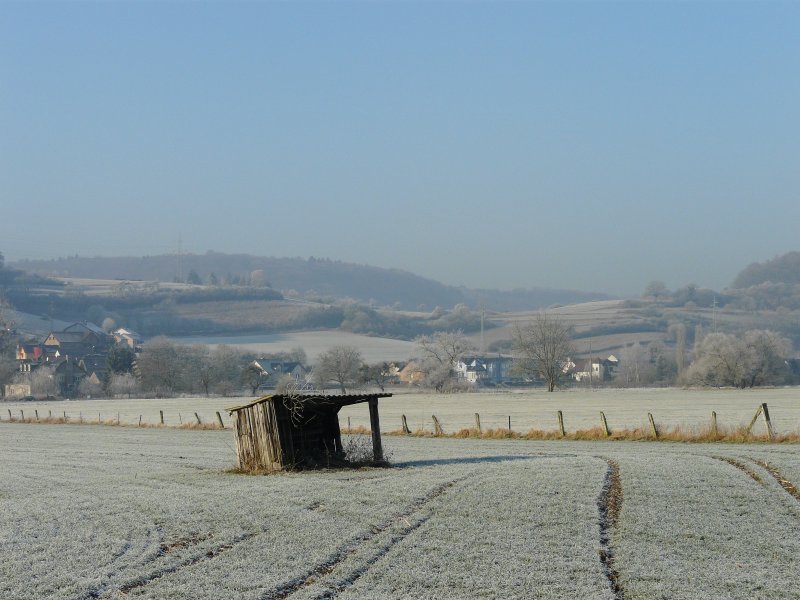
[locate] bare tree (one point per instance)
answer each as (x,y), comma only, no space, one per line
(227,367)
(757,358)
(680,347)
(444,347)
(258,278)
(8,366)
(339,364)
(768,353)
(90,389)
(440,353)
(159,366)
(721,361)
(542,347)
(43,382)
(122,384)
(379,374)
(204,369)
(655,290)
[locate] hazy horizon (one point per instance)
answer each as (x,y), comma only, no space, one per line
(587,146)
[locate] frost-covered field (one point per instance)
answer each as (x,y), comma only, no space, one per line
(106,512)
(373,349)
(537,409)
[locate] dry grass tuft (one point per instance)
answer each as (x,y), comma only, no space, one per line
(108,423)
(203,426)
(360,430)
(688,434)
(704,434)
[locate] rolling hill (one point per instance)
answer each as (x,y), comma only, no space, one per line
(312,277)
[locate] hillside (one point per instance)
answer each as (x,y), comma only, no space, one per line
(781,269)
(308,278)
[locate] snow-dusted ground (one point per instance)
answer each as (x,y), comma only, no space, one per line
(108,512)
(624,409)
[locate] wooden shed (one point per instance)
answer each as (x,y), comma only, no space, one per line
(279,432)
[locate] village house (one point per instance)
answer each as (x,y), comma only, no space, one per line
(411,374)
(592,369)
(487,370)
(126,337)
(274,369)
(77,352)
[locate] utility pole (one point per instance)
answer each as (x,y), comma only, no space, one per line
(483,316)
(714,313)
(179,275)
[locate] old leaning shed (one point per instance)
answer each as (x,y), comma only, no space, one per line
(280,432)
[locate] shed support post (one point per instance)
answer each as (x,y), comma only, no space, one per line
(337,434)
(375,426)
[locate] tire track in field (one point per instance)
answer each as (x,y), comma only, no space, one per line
(609,505)
(101,591)
(742,467)
(355,574)
(286,589)
(787,485)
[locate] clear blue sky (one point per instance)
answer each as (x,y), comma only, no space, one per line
(584,145)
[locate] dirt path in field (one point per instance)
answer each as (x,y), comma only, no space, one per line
(609,505)
(405,522)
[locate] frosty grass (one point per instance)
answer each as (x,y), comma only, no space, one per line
(106,512)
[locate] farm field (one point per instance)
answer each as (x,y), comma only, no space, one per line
(373,349)
(107,512)
(531,409)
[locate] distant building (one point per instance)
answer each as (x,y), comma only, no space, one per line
(16,390)
(411,374)
(274,369)
(592,369)
(78,351)
(68,376)
(491,370)
(126,337)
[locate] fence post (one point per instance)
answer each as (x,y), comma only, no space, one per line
(65,416)
(161,415)
(22,414)
(478,422)
(219,420)
(765,412)
(652,425)
(405,425)
(196,416)
(10,418)
(561,424)
(605,424)
(437,428)
(180,419)
(49,414)
(714,430)
(37,413)
(140,420)
(754,419)
(98,419)
(509,423)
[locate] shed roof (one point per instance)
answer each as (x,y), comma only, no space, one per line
(315,399)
